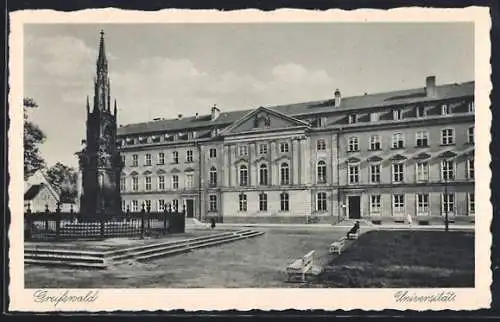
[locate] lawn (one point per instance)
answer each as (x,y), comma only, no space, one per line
(404,259)
(250,263)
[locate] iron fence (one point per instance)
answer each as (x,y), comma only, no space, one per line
(59,226)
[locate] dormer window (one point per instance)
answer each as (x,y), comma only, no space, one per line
(374,117)
(397,114)
(471,107)
(353,118)
(445,109)
(421,111)
(321,122)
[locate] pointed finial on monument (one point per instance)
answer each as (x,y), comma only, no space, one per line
(101,59)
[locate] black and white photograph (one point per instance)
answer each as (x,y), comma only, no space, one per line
(331,155)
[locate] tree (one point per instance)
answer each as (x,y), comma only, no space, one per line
(64,179)
(33,137)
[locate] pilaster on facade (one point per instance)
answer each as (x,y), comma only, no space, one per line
(228,167)
(252,167)
(273,167)
(295,161)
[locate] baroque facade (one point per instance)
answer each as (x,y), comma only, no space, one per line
(373,156)
(376,156)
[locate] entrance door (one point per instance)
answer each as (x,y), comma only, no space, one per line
(189,208)
(354,207)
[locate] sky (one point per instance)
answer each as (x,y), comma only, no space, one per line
(162,70)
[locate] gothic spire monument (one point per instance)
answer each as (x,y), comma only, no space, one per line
(100,162)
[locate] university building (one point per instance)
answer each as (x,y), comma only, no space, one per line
(372,156)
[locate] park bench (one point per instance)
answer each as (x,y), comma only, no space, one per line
(352,236)
(337,246)
(297,270)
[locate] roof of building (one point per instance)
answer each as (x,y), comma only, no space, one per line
(41,182)
(33,191)
(409,96)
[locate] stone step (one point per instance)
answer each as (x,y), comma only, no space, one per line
(165,253)
(65,258)
(54,262)
(63,252)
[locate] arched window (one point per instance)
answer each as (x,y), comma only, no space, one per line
(321,172)
(284,174)
(263,174)
(213,177)
(243,175)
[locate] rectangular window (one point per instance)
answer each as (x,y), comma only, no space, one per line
(353,118)
(374,117)
(422,204)
(135,183)
(397,172)
(353,144)
(445,109)
(398,141)
(470,169)
(135,206)
(175,182)
(375,173)
(148,159)
(375,204)
(243,150)
(470,135)
(147,205)
(321,201)
(284,202)
(375,144)
(262,148)
(447,136)
(243,202)
(175,157)
(161,182)
(448,203)
(398,204)
(189,181)
(123,186)
(124,205)
(422,139)
(213,153)
(447,170)
(213,203)
(175,205)
(422,171)
(320,145)
(421,111)
(471,203)
(353,174)
(263,202)
(189,156)
(123,159)
(397,114)
(161,158)
(470,107)
(284,147)
(148,183)
(135,160)
(161,205)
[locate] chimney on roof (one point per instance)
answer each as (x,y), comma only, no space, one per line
(196,116)
(215,113)
(179,116)
(430,86)
(338,98)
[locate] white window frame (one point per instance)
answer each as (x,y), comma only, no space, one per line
(422,168)
(446,138)
(353,174)
(397,114)
(161,204)
(454,199)
(375,204)
(425,209)
(212,203)
(396,138)
(175,157)
(353,118)
(123,184)
(135,206)
(189,180)
(135,160)
(374,117)
(453,169)
(175,181)
(212,177)
(424,111)
(373,141)
(263,148)
(135,183)
(189,156)
(243,183)
(161,158)
(321,203)
(161,182)
(471,137)
(284,175)
(371,173)
(263,168)
(398,210)
(321,176)
(242,150)
(284,202)
(401,175)
(212,153)
(353,144)
(147,183)
(471,201)
(284,147)
(147,159)
(243,202)
(320,145)
(445,109)
(471,107)
(470,169)
(422,136)
(263,202)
